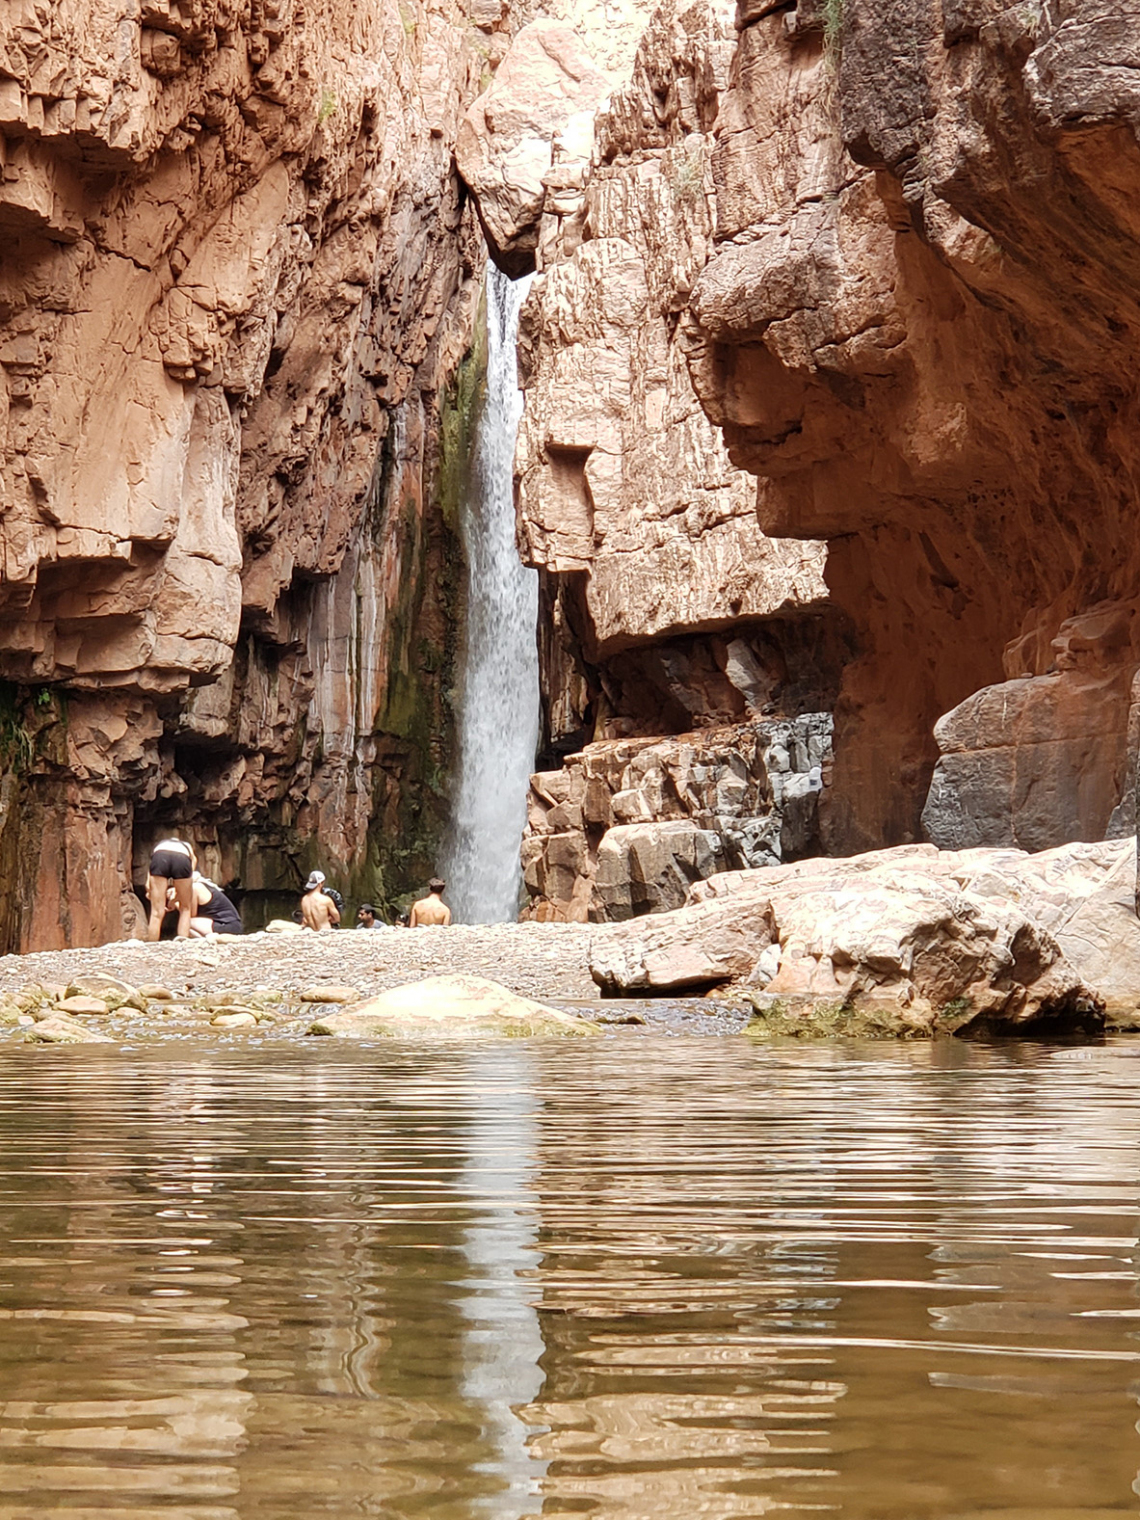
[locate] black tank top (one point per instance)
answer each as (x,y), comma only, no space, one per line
(221,910)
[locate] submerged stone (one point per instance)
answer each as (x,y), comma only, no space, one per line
(234,1019)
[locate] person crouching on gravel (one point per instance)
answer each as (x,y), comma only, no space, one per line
(318,911)
(214,913)
(172,865)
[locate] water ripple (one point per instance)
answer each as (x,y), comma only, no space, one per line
(652,1277)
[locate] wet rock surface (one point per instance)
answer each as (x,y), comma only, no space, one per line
(910,940)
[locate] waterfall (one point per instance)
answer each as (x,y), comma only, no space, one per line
(498,719)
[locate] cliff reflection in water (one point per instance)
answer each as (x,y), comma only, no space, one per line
(643,1277)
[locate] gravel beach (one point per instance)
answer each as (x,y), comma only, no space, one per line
(547,962)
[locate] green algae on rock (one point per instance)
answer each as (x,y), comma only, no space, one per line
(451,1006)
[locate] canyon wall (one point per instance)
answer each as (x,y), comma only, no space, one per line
(238,276)
(679,643)
(918,329)
(889,251)
(831,409)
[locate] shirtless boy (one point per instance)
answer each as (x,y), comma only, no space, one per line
(318,911)
(430,909)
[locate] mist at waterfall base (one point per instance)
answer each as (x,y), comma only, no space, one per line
(498,719)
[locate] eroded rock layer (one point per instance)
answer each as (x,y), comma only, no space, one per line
(626,826)
(919,329)
(235,285)
(651,558)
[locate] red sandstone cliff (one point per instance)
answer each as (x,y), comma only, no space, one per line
(919,330)
(236,278)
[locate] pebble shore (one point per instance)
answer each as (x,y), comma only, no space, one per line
(547,962)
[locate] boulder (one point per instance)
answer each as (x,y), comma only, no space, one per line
(926,939)
(1084,895)
(80,1005)
(110,989)
(155,993)
(1040,760)
(61,1030)
(329,995)
(450,1005)
(711,942)
(906,942)
(235,1018)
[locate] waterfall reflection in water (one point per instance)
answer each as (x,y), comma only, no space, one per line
(640,1277)
(498,717)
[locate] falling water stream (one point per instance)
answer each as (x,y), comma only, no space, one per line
(498,727)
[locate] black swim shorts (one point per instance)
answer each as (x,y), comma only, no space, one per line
(172,864)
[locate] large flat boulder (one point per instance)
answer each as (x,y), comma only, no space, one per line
(443,1006)
(922,944)
(934,940)
(696,946)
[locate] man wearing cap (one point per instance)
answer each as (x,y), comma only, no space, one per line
(318,911)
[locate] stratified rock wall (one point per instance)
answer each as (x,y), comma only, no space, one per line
(627,826)
(665,605)
(919,329)
(236,280)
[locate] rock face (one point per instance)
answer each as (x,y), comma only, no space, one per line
(531,131)
(956,941)
(663,605)
(238,276)
(625,827)
(918,329)
(664,608)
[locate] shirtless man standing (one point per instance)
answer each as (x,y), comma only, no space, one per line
(429,909)
(318,911)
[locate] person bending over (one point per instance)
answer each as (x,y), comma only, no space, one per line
(171,868)
(431,910)
(318,911)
